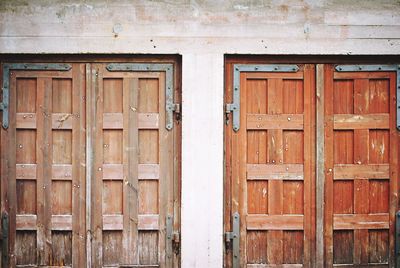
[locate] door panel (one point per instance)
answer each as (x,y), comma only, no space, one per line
(90,167)
(43,181)
(133,169)
(270,168)
(361,164)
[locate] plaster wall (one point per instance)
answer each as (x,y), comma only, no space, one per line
(202,31)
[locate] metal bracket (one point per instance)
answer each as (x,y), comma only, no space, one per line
(4,239)
(168,68)
(377,68)
(7,67)
(234,238)
(237,69)
(170,237)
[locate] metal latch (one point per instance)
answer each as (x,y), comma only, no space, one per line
(232,240)
(173,239)
(177,110)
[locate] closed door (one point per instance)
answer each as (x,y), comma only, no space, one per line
(311,175)
(270,162)
(361,165)
(89,171)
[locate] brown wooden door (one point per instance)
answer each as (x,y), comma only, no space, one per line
(42,168)
(89,169)
(361,167)
(270,165)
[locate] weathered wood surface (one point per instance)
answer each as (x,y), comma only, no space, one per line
(361,165)
(270,167)
(104,208)
(313,27)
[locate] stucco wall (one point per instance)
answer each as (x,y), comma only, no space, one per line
(202,32)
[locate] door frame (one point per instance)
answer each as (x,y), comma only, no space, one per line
(176,61)
(318,252)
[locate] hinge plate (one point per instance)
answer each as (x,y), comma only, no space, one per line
(7,67)
(234,238)
(237,69)
(168,68)
(377,68)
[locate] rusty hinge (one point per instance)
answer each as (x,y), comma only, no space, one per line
(232,240)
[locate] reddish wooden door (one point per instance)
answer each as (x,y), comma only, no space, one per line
(270,165)
(90,166)
(361,168)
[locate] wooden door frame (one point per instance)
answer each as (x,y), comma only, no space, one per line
(319,61)
(176,61)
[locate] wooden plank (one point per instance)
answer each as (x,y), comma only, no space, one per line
(360,221)
(90,129)
(62,120)
(97,102)
(275,156)
(309,166)
(145,171)
(320,175)
(26,120)
(328,165)
(166,184)
(61,222)
(275,121)
(274,75)
(130,234)
(275,172)
(26,171)
(44,160)
(77,172)
(361,156)
(360,75)
(64,171)
(26,222)
(145,222)
(394,171)
(365,121)
(145,120)
(351,171)
(275,222)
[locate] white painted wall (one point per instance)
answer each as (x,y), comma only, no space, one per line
(202,160)
(202,31)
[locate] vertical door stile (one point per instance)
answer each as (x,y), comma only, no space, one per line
(240,178)
(78,167)
(44,169)
(328,103)
(89,107)
(394,168)
(130,166)
(320,156)
(97,176)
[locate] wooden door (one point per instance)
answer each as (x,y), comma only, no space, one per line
(90,172)
(133,169)
(361,167)
(270,165)
(42,167)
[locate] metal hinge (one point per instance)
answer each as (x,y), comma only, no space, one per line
(232,240)
(229,108)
